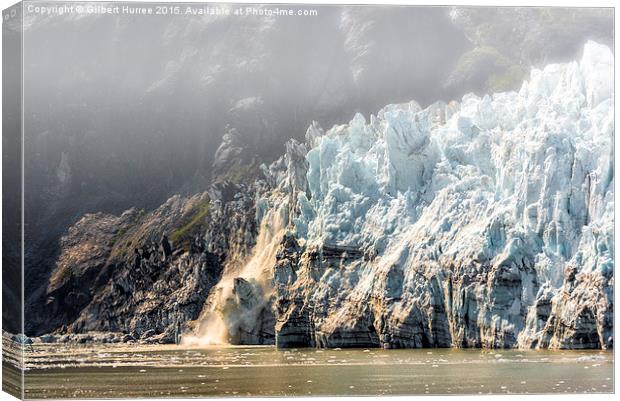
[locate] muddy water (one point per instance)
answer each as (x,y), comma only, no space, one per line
(60,371)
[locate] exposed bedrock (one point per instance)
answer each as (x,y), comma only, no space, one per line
(149,274)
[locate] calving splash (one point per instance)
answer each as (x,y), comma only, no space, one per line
(238,306)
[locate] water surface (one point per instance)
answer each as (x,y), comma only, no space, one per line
(122,370)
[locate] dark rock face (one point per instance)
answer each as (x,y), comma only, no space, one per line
(116,274)
(147,274)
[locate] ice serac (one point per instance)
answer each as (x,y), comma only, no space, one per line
(487,223)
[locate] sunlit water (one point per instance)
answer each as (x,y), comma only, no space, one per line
(60,371)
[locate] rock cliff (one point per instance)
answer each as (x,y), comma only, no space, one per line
(148,275)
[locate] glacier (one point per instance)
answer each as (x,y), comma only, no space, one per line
(484,223)
(481,223)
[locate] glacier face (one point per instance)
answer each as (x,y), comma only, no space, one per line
(538,162)
(484,223)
